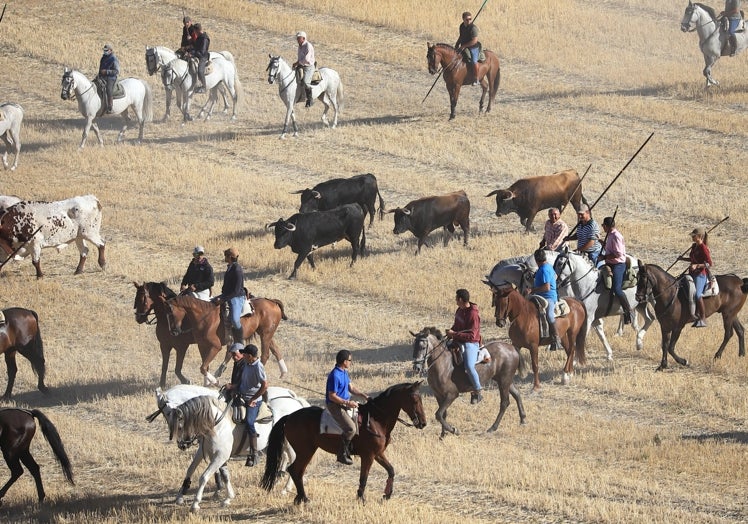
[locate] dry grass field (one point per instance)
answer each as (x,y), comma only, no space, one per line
(582,83)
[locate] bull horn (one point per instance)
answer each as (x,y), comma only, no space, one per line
(316,194)
(300,191)
(290,227)
(406,211)
(492,193)
(392,210)
(414,334)
(268,226)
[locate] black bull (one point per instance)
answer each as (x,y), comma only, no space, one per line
(305,232)
(359,189)
(424,215)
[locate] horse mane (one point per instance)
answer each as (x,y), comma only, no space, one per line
(442,44)
(709,10)
(432,330)
(162,288)
(198,416)
(187,301)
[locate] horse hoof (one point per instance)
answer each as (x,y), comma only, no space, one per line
(492,429)
(180,501)
(456,431)
(44,389)
(195,508)
(226,503)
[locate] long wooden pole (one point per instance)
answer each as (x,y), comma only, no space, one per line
(689,249)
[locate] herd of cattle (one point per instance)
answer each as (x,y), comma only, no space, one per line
(330,211)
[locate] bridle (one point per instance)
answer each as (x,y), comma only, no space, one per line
(273,70)
(168,76)
(148,312)
(689,14)
(152,61)
(430,350)
(648,291)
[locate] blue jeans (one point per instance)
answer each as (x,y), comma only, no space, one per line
(700,283)
(474,52)
(734,23)
(550,313)
(235,311)
(252,413)
(619,270)
(470,358)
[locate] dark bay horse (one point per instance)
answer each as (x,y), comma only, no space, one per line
(431,355)
(151,297)
(456,74)
(17,429)
(673,312)
(525,329)
(20,333)
(379,416)
(208,327)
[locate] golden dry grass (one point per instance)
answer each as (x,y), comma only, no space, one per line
(582,83)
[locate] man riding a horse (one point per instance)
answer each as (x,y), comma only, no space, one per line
(187,41)
(733,17)
(198,279)
(468,44)
(232,292)
(201,51)
(465,331)
(338,401)
(108,72)
(305,62)
(545,286)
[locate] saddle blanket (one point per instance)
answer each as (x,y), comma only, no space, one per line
(328,426)
(484,357)
(561,310)
(248,308)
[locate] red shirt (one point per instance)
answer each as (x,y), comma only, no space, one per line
(467,319)
(700,255)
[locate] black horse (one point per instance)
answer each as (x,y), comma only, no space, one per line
(17,429)
(20,333)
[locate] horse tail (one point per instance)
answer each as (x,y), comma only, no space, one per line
(497,79)
(274,454)
(522,368)
(339,95)
(228,56)
(34,352)
(238,88)
(53,437)
(147,103)
(280,305)
(744,286)
(362,245)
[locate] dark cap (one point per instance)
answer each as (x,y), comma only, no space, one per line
(186,19)
(249,349)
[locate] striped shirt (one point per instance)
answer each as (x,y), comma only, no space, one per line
(586,232)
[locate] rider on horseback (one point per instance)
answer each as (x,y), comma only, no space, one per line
(187,40)
(615,257)
(338,400)
(466,331)
(198,279)
(252,387)
(469,40)
(201,51)
(232,292)
(734,16)
(305,61)
(108,71)
(545,286)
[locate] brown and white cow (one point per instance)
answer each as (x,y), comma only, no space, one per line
(424,215)
(529,195)
(53,224)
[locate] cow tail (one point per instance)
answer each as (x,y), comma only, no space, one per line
(744,286)
(381,205)
(362,246)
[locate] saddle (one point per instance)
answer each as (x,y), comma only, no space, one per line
(561,310)
(467,57)
(712,290)
(316,76)
(193,63)
(117,91)
(328,425)
(458,351)
(239,412)
(629,277)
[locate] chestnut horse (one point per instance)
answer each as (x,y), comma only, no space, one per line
(210,334)
(456,74)
(431,355)
(525,329)
(673,312)
(17,429)
(379,416)
(150,298)
(20,333)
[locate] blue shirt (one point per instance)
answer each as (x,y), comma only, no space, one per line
(543,275)
(338,381)
(253,375)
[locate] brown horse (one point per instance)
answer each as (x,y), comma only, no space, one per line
(525,329)
(456,74)
(431,355)
(671,305)
(210,334)
(20,333)
(151,297)
(17,429)
(379,416)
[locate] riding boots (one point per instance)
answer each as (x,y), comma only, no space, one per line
(238,335)
(344,454)
(700,314)
(475,397)
(309,99)
(626,309)
(555,339)
(733,43)
(252,458)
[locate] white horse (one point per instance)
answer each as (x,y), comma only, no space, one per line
(138,96)
(578,278)
(10,131)
(176,75)
(198,414)
(329,91)
(158,56)
(702,19)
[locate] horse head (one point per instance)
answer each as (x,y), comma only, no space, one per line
(151,60)
(273,68)
(423,345)
(143,304)
(644,285)
(68,85)
(414,406)
(688,23)
(500,301)
(431,58)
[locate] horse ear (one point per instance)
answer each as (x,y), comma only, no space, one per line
(413,334)
(270,56)
(417,385)
(136,284)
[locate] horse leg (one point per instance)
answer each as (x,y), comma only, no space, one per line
(296,472)
(729,326)
(738,327)
(207,474)
(33,468)
(710,61)
(168,104)
(648,320)
(15,472)
(441,414)
(454,94)
(382,461)
(535,367)
(121,135)
(665,344)
(230,493)
(10,363)
(181,352)
(4,136)
(324,113)
(86,128)
(674,340)
(80,242)
(279,357)
(165,352)
(482,96)
(514,392)
(570,348)
(188,475)
(366,462)
(597,325)
(289,117)
(503,404)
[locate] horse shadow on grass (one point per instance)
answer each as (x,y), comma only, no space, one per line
(317,124)
(737,437)
(74,393)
